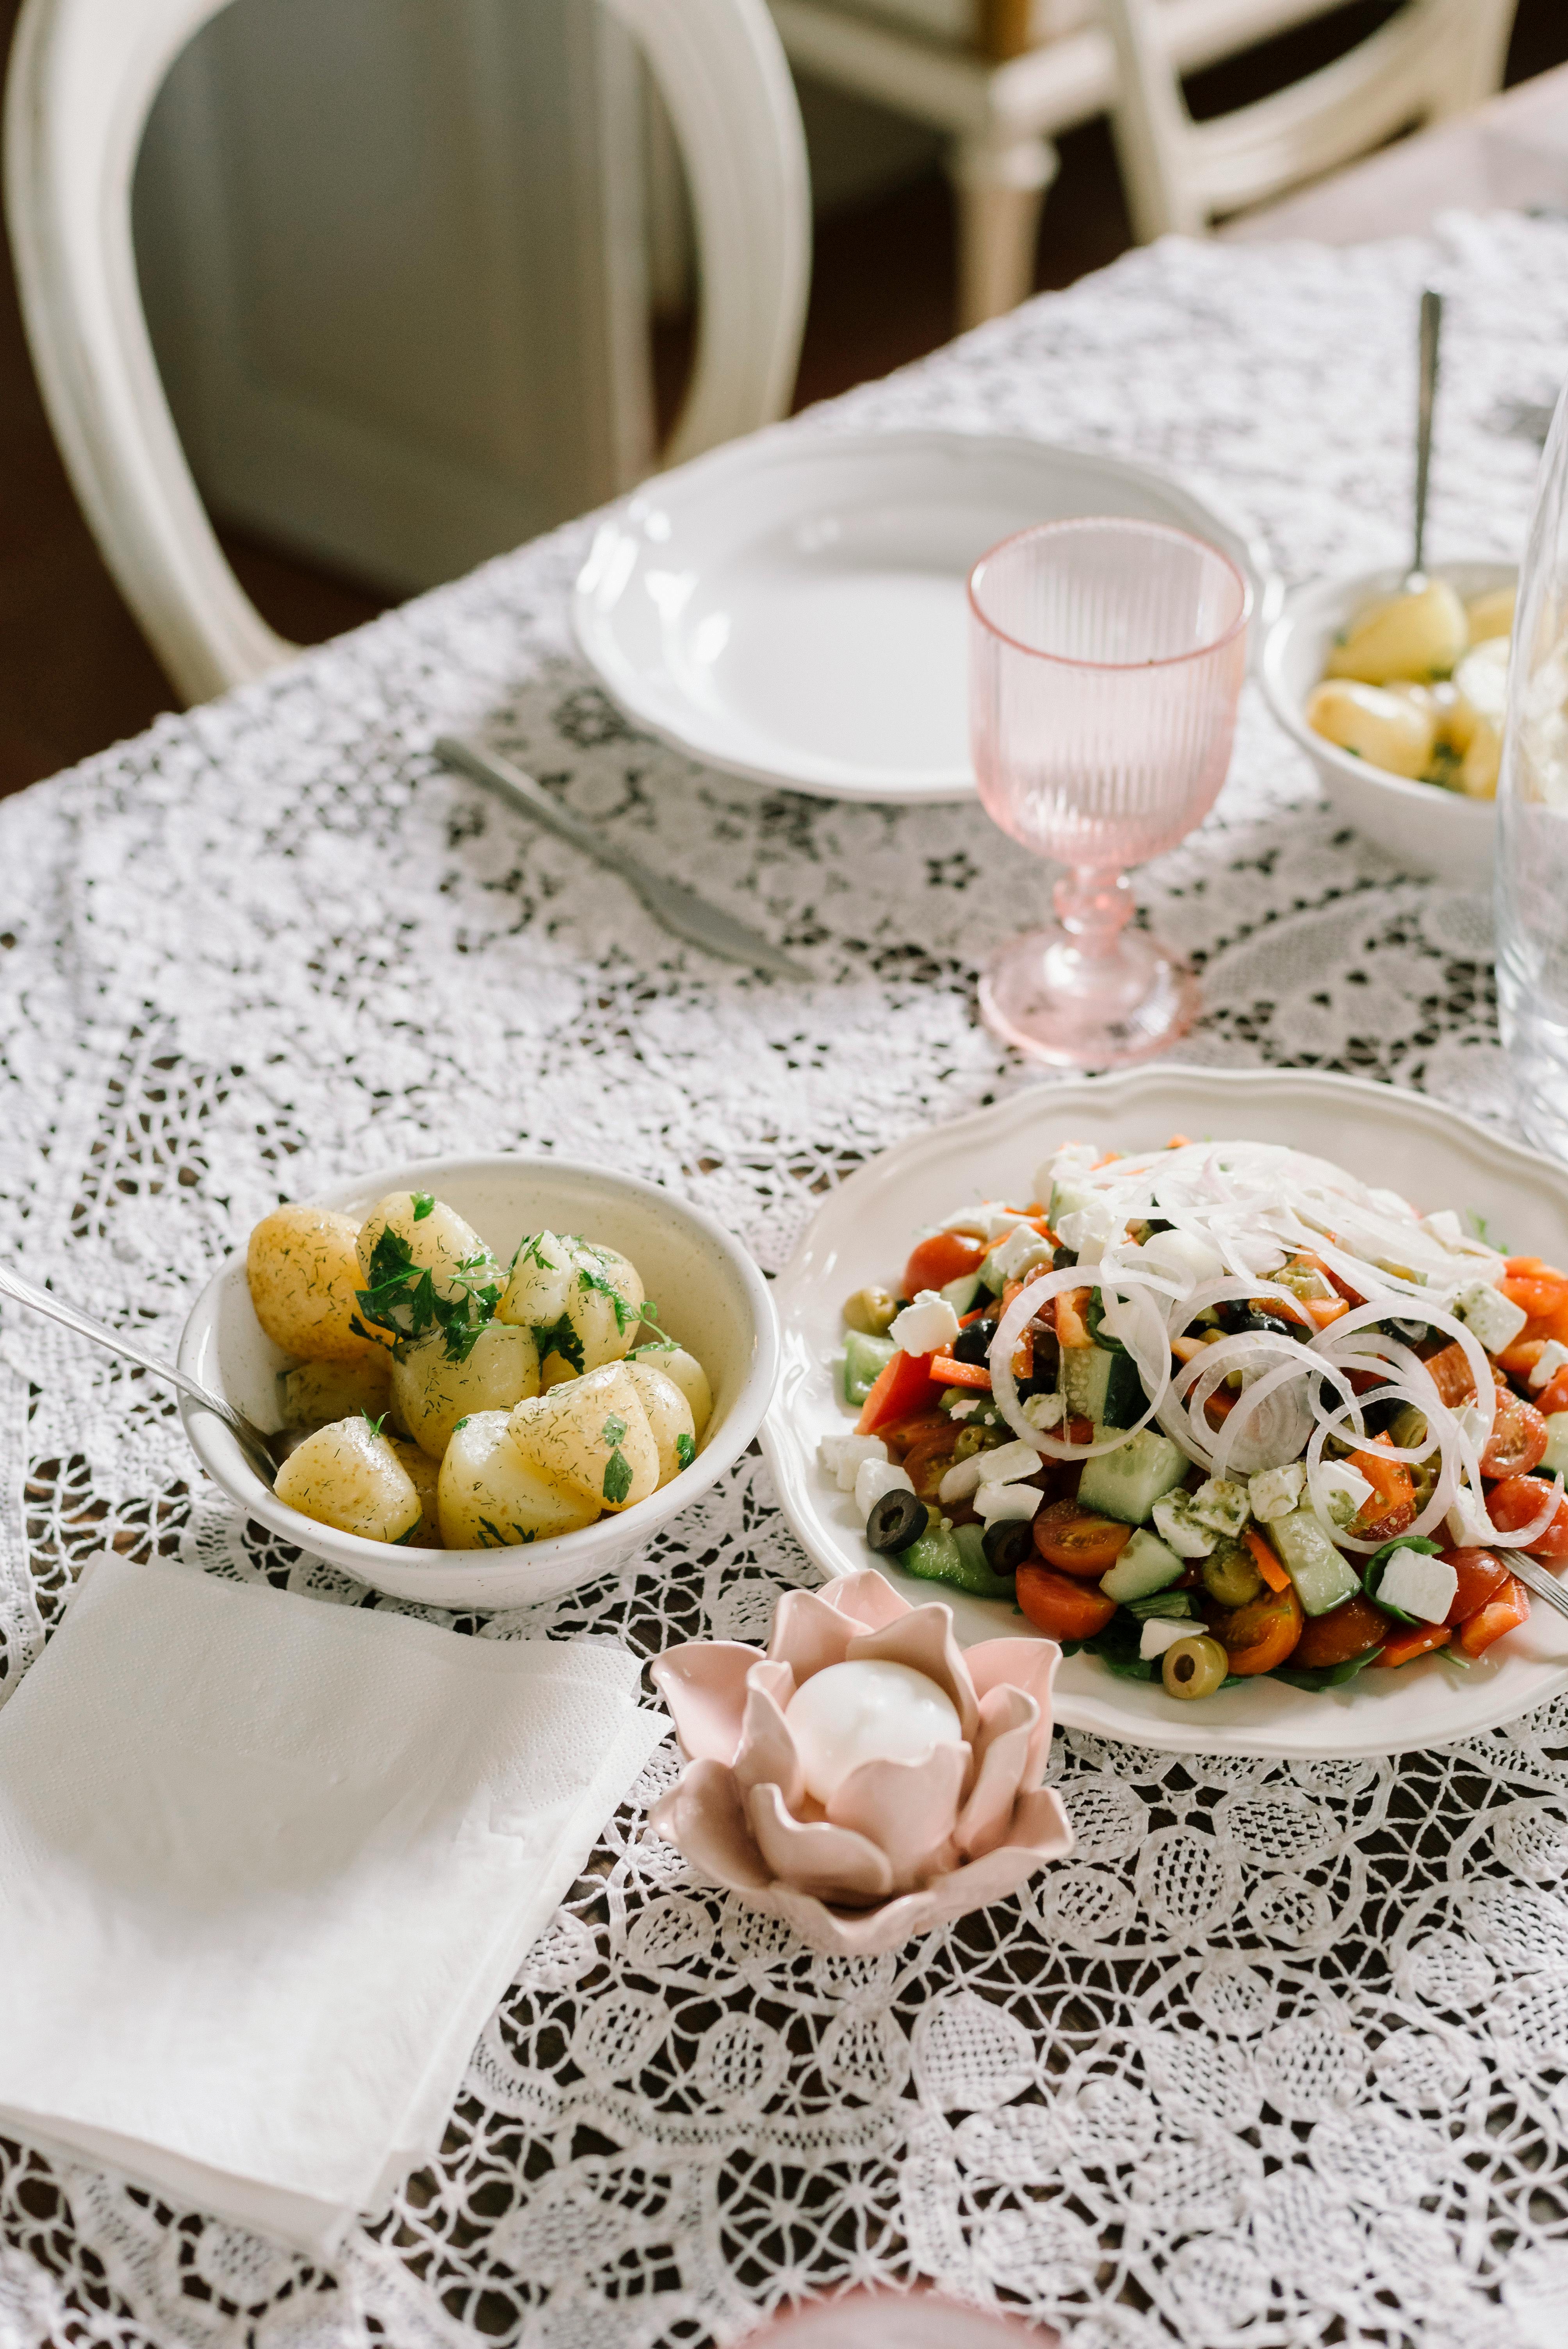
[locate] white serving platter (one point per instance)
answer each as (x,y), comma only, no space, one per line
(793,609)
(864,1230)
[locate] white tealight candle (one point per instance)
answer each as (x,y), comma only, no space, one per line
(871,1711)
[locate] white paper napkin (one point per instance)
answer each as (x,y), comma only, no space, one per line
(266,1867)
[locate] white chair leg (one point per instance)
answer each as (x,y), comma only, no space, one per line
(998,190)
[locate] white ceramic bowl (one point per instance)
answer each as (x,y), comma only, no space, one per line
(864,1228)
(711,1296)
(1428,830)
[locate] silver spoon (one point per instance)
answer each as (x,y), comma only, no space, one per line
(1432,336)
(265,1453)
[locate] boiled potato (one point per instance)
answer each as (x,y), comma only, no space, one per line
(303,1272)
(1491,614)
(1421,635)
(1387,730)
(592,1434)
(1480,686)
(349,1476)
(318,1393)
(432,1392)
(424,1474)
(670,1418)
(490,1498)
(687,1374)
(582,1302)
(438,1241)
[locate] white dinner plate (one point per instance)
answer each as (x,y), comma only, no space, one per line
(792,609)
(863,1232)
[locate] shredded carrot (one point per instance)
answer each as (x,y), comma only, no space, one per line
(1325,1309)
(1180,1141)
(947,1371)
(1263,1558)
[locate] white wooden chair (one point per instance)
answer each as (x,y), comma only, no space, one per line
(1434,59)
(1000,79)
(83,78)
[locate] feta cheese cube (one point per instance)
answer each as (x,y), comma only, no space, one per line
(1020,1252)
(1044,1411)
(997,1503)
(875,1478)
(1275,1492)
(1223,1505)
(1095,1225)
(925,1326)
(1340,1491)
(970,1404)
(1548,1362)
(1495,1319)
(1180,1529)
(1005,1465)
(1473,1424)
(1162,1631)
(1466,1525)
(839,1456)
(985,1222)
(1181,1255)
(1419,1585)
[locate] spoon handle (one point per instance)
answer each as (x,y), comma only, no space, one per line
(42,1300)
(1431,334)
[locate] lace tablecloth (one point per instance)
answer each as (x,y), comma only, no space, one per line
(1280,2056)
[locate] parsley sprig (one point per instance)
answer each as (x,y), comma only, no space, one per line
(617,1468)
(402,1296)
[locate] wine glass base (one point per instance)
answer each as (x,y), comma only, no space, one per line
(1055,1004)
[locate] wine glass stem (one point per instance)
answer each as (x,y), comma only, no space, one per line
(1094,904)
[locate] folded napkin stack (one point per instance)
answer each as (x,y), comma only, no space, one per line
(266,1867)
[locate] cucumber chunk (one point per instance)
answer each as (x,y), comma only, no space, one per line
(964,1294)
(1323,1576)
(1554,1459)
(1105,1387)
(865,1359)
(1127,1483)
(1144,1567)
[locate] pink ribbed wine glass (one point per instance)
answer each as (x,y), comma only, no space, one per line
(1106,661)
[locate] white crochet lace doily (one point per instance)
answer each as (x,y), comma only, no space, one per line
(1280,2057)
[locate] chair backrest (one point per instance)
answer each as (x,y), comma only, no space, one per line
(1435,58)
(82,80)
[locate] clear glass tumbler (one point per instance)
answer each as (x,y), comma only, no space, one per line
(1531,859)
(1105,662)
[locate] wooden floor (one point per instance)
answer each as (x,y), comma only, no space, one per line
(75,674)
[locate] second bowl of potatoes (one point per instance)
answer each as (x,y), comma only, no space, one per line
(499,1375)
(1399,699)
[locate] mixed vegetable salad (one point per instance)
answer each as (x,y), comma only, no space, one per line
(1216,1411)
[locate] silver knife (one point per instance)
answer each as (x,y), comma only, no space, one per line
(690,917)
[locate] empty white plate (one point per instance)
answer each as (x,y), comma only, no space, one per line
(792,609)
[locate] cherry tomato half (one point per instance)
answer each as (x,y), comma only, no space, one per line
(1553,1395)
(1481,1576)
(1516,1501)
(940,1260)
(1504,1613)
(1061,1608)
(1517,1440)
(930,1456)
(1333,1639)
(1261,1634)
(1075,1541)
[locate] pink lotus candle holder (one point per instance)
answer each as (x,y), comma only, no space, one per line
(900,1845)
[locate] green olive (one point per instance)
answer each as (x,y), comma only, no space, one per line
(872,1311)
(1230,1576)
(1194,1667)
(974,1437)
